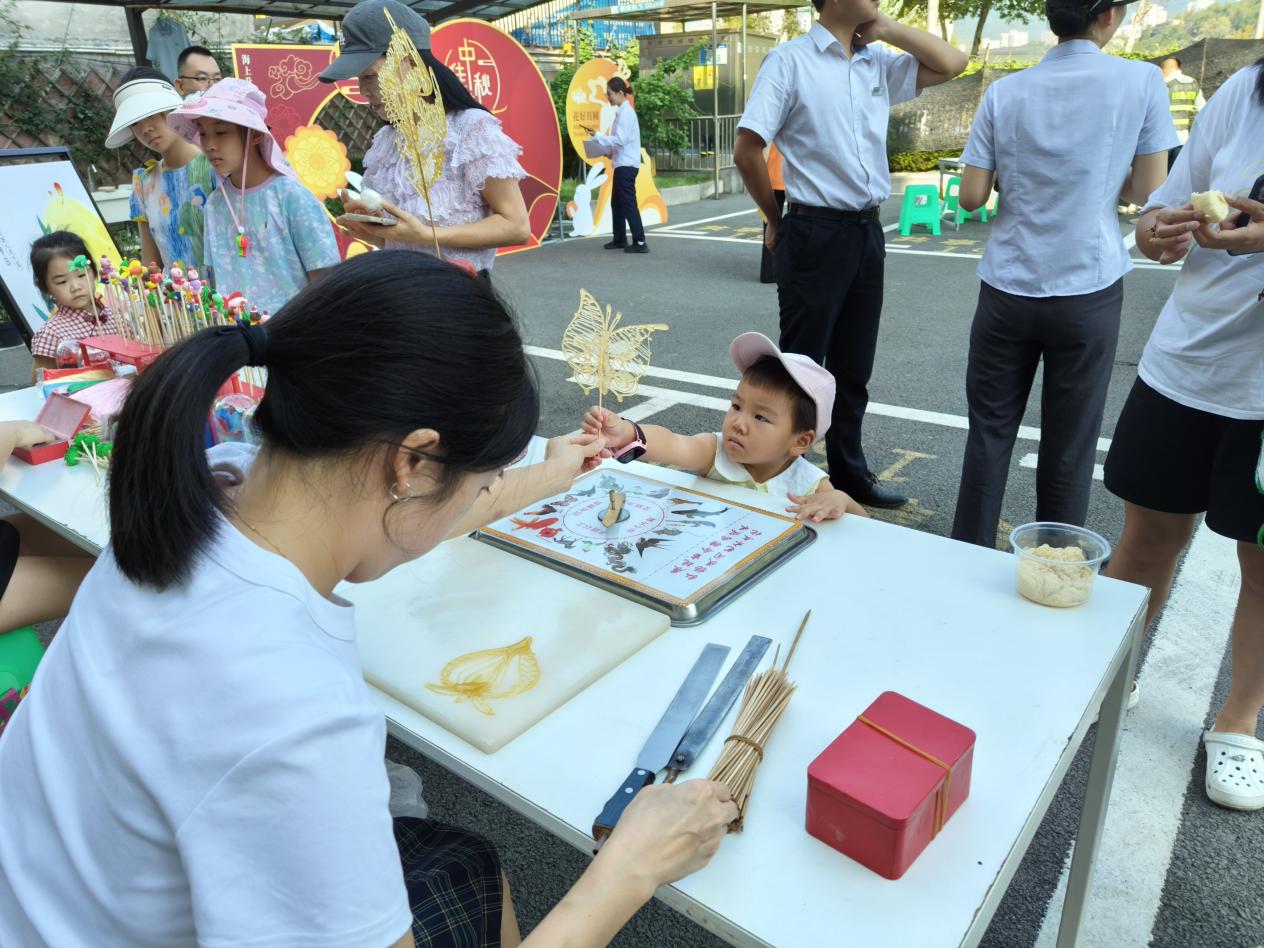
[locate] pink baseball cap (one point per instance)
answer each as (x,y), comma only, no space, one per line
(238,101)
(816,382)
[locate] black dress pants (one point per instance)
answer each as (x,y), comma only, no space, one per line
(1075,336)
(829,287)
(623,206)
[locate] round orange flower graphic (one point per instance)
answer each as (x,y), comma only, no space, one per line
(319,159)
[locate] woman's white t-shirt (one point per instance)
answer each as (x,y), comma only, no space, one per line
(201,765)
(1207,349)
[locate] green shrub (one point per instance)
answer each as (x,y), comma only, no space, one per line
(920,160)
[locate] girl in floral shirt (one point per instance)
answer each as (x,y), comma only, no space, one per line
(168,195)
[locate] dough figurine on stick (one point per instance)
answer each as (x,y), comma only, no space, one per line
(1211,204)
(410,93)
(604,355)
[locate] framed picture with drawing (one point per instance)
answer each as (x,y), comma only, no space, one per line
(43,193)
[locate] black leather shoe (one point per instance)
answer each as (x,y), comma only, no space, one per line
(614,245)
(636,248)
(872,494)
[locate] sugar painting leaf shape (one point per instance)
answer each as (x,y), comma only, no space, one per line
(488,675)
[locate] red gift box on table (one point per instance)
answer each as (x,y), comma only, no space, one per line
(887,785)
(63,417)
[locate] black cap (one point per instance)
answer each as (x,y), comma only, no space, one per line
(366,32)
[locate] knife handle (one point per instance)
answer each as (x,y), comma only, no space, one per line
(603,826)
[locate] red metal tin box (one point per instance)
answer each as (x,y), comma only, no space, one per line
(887,785)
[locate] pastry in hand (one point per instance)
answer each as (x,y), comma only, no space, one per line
(1211,204)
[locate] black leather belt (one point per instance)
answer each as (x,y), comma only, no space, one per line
(830,214)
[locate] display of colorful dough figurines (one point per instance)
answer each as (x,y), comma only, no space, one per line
(160,308)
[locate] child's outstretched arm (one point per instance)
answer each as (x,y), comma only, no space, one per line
(694,453)
(565,458)
(825,503)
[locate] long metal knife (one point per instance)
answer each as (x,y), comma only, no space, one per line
(665,737)
(708,720)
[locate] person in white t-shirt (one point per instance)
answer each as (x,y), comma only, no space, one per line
(199,760)
(1191,435)
(781,406)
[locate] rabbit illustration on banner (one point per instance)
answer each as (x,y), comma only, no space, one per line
(580,209)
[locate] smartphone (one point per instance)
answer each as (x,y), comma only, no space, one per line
(370,219)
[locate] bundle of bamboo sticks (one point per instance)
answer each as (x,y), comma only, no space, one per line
(766,698)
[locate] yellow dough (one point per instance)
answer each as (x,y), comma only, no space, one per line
(1211,204)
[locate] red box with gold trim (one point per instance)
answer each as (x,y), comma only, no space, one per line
(887,785)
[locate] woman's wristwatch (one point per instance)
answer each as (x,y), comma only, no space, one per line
(633,450)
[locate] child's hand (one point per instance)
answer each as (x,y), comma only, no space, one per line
(28,434)
(823,505)
(576,453)
(601,421)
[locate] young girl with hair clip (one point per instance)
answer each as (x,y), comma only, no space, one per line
(266,234)
(477,204)
(64,272)
(202,719)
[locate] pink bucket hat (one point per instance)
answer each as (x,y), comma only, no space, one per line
(240,102)
(816,382)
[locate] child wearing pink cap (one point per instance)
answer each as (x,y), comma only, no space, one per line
(782,405)
(266,234)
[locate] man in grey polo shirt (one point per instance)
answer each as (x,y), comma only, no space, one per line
(825,98)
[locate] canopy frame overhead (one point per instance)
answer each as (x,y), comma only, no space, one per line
(683,11)
(435,11)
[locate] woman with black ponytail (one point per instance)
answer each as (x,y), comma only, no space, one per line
(199,760)
(1066,142)
(477,204)
(1191,435)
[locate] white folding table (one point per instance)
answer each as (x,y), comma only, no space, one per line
(892,609)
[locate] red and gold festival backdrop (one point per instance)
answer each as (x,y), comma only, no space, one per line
(494,67)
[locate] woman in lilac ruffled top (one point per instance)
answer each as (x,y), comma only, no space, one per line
(477,204)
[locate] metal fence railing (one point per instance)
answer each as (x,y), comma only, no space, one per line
(708,136)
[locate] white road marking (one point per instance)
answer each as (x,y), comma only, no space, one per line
(684,235)
(1030,461)
(891,227)
(1026,432)
(1158,746)
(705,220)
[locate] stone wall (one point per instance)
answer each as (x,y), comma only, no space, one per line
(940,117)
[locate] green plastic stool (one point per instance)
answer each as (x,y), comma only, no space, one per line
(926,213)
(952,204)
(20,652)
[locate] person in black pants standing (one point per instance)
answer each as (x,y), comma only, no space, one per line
(624,144)
(825,98)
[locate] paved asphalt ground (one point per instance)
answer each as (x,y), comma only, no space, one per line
(1175,871)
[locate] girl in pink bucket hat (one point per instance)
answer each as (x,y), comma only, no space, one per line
(266,235)
(781,406)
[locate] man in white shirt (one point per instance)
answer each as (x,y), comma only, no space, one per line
(826,98)
(196,71)
(624,144)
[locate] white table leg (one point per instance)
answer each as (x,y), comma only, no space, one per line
(1101,775)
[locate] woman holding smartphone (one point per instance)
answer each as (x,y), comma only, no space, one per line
(476,203)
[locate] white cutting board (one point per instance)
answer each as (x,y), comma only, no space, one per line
(465,597)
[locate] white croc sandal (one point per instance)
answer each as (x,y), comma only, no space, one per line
(1235,770)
